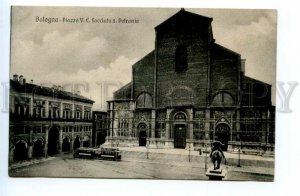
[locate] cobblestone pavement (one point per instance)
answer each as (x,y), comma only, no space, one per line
(66,166)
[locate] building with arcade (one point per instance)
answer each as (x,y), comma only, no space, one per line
(46,120)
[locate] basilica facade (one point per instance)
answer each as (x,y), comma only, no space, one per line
(189,91)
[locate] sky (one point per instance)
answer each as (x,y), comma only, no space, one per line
(98,57)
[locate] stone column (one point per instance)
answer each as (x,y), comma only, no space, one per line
(30,144)
(81,136)
(153,118)
(168,127)
(115,126)
(30,107)
(82,113)
(191,124)
(91,136)
(61,112)
(238,122)
(46,108)
(73,110)
(267,124)
(60,139)
(72,138)
(207,124)
(46,141)
(111,122)
(264,127)
(190,143)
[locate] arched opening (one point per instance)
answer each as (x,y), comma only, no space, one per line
(53,141)
(180,130)
(142,130)
(222,134)
(20,152)
(66,144)
(76,143)
(38,148)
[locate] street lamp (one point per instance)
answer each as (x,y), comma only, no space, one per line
(206,156)
(147,146)
(189,152)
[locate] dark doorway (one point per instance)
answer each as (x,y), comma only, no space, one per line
(53,141)
(179,136)
(100,138)
(76,143)
(142,128)
(86,143)
(222,134)
(20,152)
(38,148)
(66,144)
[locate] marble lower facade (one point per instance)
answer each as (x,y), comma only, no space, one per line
(249,129)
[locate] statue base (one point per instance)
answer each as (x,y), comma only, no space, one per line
(216,174)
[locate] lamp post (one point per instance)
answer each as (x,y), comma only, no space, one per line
(189,152)
(205,157)
(147,147)
(239,160)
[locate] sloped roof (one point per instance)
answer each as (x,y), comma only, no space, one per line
(46,91)
(224,49)
(124,93)
(248,79)
(183,13)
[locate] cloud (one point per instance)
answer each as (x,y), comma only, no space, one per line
(66,53)
(98,84)
(256,42)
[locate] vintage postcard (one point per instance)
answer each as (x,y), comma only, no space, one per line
(142,93)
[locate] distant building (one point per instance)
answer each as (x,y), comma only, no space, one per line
(190,91)
(46,121)
(99,127)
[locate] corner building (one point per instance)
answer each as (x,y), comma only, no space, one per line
(46,121)
(190,90)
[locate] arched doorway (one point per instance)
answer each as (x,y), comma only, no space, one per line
(20,152)
(38,148)
(180,130)
(66,144)
(142,130)
(76,143)
(222,134)
(53,141)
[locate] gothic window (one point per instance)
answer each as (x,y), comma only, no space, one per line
(144,100)
(181,58)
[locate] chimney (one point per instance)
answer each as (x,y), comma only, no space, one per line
(243,63)
(24,81)
(15,77)
(31,81)
(21,79)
